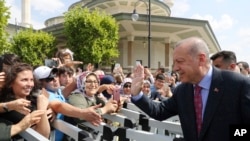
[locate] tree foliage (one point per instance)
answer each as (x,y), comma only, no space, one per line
(92,35)
(33,46)
(5,15)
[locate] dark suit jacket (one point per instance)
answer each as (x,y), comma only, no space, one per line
(155,95)
(228,103)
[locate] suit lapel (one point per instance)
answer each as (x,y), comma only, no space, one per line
(214,97)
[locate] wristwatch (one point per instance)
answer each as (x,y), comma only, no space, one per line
(5,107)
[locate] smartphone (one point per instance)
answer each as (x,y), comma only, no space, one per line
(168,74)
(51,63)
(117,65)
(116,68)
(116,94)
(137,63)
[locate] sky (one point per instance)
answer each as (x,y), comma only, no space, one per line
(228,18)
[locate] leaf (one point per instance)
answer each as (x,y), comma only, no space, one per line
(33,46)
(92,35)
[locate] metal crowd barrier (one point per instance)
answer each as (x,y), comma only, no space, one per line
(32,135)
(105,132)
(72,131)
(126,134)
(123,120)
(133,126)
(174,128)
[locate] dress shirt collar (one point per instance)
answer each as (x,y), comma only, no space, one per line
(206,80)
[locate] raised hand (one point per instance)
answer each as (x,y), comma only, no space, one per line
(110,107)
(147,71)
(109,88)
(90,67)
(137,80)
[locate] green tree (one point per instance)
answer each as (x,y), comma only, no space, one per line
(5,15)
(33,46)
(92,35)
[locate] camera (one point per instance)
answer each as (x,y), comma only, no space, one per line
(51,63)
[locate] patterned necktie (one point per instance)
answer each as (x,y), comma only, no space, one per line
(198,107)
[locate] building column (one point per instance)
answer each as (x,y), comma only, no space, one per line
(130,45)
(167,52)
(25,15)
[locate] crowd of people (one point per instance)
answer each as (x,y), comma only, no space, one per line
(34,96)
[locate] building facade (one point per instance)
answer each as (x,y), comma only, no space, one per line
(134,35)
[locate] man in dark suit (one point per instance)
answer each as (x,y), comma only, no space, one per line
(224,97)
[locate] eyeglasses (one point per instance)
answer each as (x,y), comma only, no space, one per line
(127,86)
(160,81)
(91,82)
(49,79)
(146,86)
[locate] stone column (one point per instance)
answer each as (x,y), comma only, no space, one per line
(167,52)
(130,53)
(130,44)
(130,49)
(25,21)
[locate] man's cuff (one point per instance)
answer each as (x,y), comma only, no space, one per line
(137,97)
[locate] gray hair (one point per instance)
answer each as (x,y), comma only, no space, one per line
(196,46)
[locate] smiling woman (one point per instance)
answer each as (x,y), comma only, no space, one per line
(88,96)
(19,85)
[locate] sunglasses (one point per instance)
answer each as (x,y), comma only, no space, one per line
(91,82)
(49,79)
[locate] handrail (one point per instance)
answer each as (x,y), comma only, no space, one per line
(71,130)
(32,135)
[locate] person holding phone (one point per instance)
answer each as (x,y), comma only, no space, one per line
(89,97)
(19,85)
(64,57)
(48,78)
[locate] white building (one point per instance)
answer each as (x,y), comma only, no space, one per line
(133,42)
